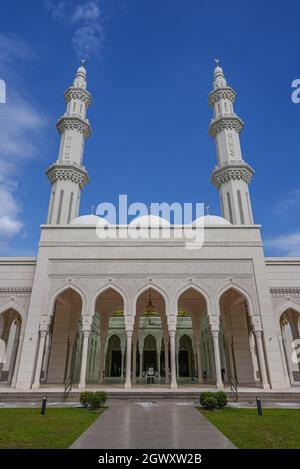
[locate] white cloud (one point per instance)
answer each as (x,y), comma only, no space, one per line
(20,139)
(288,245)
(290,201)
(89,11)
(87,21)
(10,224)
(57,10)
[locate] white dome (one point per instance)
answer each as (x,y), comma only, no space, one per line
(211,220)
(93,220)
(153,221)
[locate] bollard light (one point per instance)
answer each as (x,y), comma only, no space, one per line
(44,404)
(259,406)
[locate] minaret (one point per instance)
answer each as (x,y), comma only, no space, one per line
(232,174)
(67,175)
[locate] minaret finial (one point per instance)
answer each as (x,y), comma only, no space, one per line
(217,61)
(82,61)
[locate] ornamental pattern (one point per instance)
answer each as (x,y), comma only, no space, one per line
(67,173)
(221,93)
(15,291)
(225,123)
(77,93)
(74,123)
(282,292)
(220,176)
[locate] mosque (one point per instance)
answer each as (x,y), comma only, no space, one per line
(145,310)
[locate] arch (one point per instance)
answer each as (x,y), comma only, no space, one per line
(117,289)
(12,304)
(199,290)
(156,288)
(61,290)
(283,307)
(234,286)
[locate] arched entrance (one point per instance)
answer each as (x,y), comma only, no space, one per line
(150,340)
(109,334)
(62,355)
(10,328)
(238,345)
(194,346)
(290,330)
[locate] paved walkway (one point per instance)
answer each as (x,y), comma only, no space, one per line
(145,425)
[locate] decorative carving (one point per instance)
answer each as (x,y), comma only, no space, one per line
(221,93)
(78,93)
(285,292)
(225,123)
(73,123)
(67,173)
(236,172)
(14,291)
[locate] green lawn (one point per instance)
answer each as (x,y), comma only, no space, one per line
(26,428)
(277,428)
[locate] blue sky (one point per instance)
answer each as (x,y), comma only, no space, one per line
(150,66)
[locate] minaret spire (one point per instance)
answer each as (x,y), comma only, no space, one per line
(68,175)
(232,174)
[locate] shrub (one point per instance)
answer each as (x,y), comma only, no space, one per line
(210,403)
(85,398)
(221,399)
(95,401)
(204,395)
(102,395)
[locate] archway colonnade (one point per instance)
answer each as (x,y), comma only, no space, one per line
(152,345)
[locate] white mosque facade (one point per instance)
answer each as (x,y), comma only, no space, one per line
(142,310)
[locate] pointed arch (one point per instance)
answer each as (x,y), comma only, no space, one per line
(114,287)
(237,288)
(191,286)
(63,289)
(158,290)
(12,304)
(283,307)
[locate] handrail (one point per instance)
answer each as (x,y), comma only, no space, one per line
(234,388)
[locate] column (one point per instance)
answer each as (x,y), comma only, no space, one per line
(261,360)
(219,382)
(128,359)
(141,351)
(283,359)
(84,357)
(173,359)
(16,370)
(39,360)
(122,363)
(166,344)
(134,362)
(102,359)
(198,358)
(158,350)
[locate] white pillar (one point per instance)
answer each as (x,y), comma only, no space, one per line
(84,357)
(141,350)
(219,382)
(102,359)
(198,358)
(134,362)
(283,359)
(158,350)
(166,340)
(128,359)
(261,360)
(173,359)
(18,358)
(39,360)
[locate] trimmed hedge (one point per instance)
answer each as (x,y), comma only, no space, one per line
(219,398)
(93,400)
